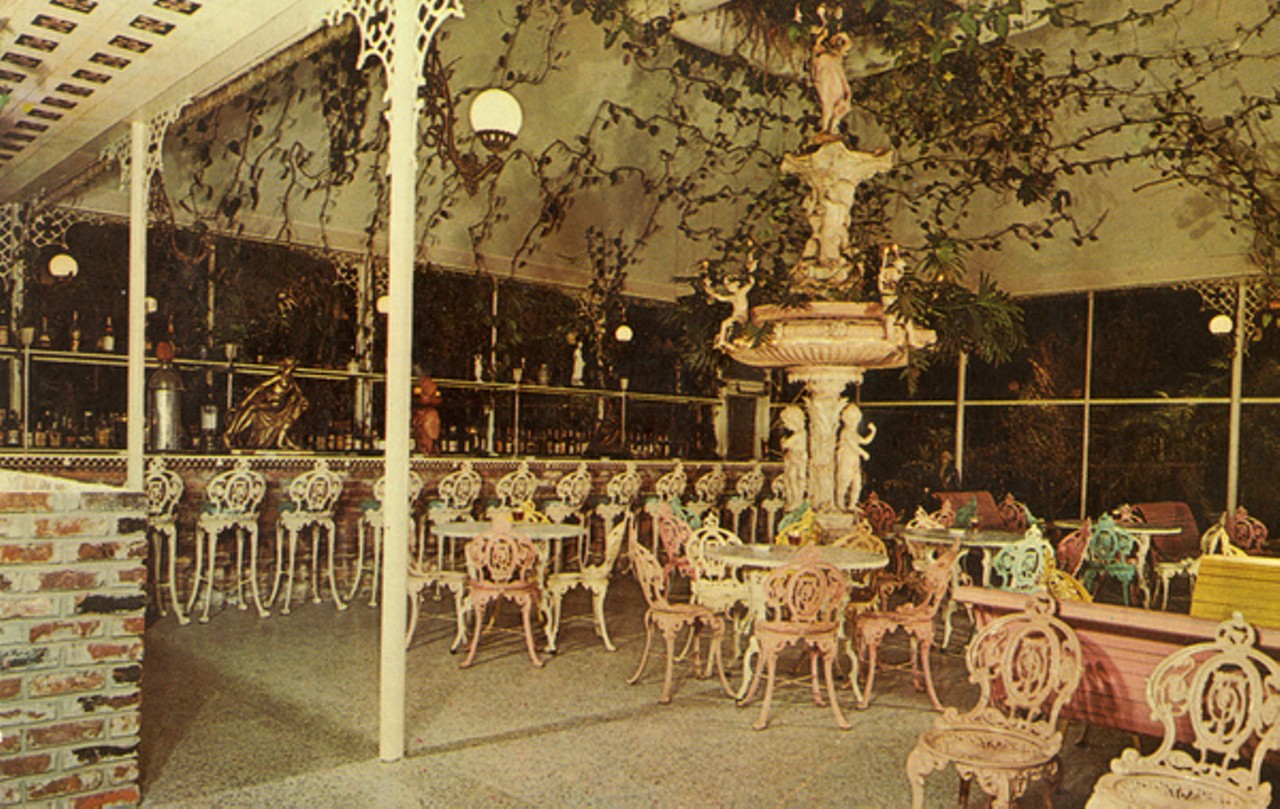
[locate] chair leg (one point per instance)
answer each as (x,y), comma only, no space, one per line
(314,530)
(829,659)
(644,655)
(275,580)
(253,572)
(414,608)
(171,539)
(293,558)
(926,669)
(332,532)
(715,657)
(208,590)
(597,606)
(359,571)
(240,540)
(526,612)
(771,666)
(199,568)
(478,610)
(460,617)
(870,647)
(669,637)
(814,686)
(379,535)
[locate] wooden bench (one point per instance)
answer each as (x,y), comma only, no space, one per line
(1250,584)
(1121,645)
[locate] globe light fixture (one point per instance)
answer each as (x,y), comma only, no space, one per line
(63,266)
(623,334)
(1220,324)
(152,305)
(496,118)
(383,304)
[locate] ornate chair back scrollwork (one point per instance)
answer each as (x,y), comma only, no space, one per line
(707,491)
(372,525)
(164,489)
(671,618)
(572,491)
(673,484)
(1013,513)
(514,489)
(1112,552)
(457,493)
(802,604)
(503,565)
(745,494)
(232,502)
(673,532)
(310,507)
(1248,533)
(1071,548)
(1027,665)
(1021,565)
(1226,693)
(714,584)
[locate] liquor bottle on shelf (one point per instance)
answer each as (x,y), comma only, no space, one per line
(43,340)
(107,342)
(13,429)
(75,333)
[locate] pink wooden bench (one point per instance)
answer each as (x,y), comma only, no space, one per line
(1121,645)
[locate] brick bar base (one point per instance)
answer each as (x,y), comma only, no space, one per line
(72,573)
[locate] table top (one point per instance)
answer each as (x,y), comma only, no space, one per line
(770,555)
(1150,529)
(975,538)
(531,530)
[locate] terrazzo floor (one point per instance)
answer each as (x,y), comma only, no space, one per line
(282,712)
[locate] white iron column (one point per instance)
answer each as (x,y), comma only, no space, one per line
(1237,378)
(403,124)
(1087,418)
(136,383)
(962,393)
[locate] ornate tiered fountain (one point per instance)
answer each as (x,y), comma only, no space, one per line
(827,344)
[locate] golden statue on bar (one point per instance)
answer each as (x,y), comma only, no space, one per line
(263,419)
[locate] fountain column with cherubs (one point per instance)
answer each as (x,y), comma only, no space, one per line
(829,343)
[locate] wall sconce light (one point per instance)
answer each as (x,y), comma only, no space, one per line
(623,334)
(495,116)
(1220,324)
(63,265)
(383,304)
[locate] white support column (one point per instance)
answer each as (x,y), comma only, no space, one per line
(1237,380)
(136,384)
(395,32)
(962,386)
(1087,417)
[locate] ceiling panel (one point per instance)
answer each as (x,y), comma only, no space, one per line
(74,72)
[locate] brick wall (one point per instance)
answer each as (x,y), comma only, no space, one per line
(72,572)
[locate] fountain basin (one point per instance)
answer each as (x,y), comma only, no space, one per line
(831,334)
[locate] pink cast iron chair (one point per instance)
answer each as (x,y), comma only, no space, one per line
(1248,533)
(1226,694)
(1027,665)
(502,565)
(1071,548)
(802,607)
(671,618)
(915,618)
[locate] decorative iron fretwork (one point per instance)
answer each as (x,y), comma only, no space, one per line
(1221,297)
(10,243)
(377,22)
(120,151)
(49,226)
